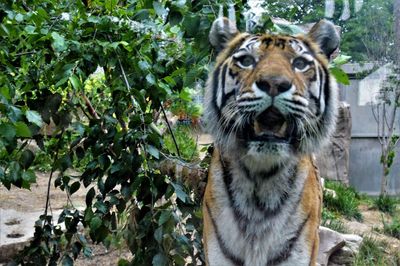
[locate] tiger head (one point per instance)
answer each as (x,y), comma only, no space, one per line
(271,97)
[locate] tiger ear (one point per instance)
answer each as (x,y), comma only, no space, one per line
(222,31)
(325,34)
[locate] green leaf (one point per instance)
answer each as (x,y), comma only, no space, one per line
(151,79)
(175,29)
(123,262)
(110,4)
(28,177)
(160,260)
(4,29)
(142,14)
(164,217)
(80,153)
(87,252)
(179,260)
(5,92)
(288,29)
(185,95)
(22,130)
(7,131)
(75,81)
(114,45)
(95,223)
(14,172)
(34,117)
(89,196)
(67,261)
(153,151)
(101,207)
(61,82)
(170,81)
(340,60)
(15,113)
(74,187)
(159,9)
(143,65)
(179,3)
(59,44)
(27,158)
(191,24)
(340,75)
(116,167)
(64,162)
(76,249)
(158,234)
(19,17)
(110,183)
(30,29)
(180,193)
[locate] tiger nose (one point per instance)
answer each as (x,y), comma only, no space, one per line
(274,86)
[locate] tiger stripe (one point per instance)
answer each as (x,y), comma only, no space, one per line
(270,103)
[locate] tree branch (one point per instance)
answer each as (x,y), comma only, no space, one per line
(170,130)
(90,108)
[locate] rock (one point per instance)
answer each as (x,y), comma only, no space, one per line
(333,160)
(346,254)
(330,192)
(337,249)
(330,241)
(16,230)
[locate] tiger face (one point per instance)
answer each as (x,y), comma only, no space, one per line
(271,96)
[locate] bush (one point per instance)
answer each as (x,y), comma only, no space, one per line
(345,202)
(187,145)
(373,253)
(386,204)
(392,228)
(332,221)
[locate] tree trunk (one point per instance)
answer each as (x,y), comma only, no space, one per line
(384,181)
(384,170)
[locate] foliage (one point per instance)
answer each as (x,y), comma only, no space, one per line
(183,106)
(332,220)
(386,204)
(345,202)
(337,72)
(299,11)
(385,115)
(187,145)
(372,252)
(98,72)
(392,228)
(368,35)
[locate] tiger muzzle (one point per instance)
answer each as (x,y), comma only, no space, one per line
(270,126)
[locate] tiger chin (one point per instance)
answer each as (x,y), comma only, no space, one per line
(270,104)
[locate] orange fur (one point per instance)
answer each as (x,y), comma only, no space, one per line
(270,104)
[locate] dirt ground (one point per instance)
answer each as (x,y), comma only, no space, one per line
(371,225)
(23,200)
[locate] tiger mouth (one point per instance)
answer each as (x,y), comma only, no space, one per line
(270,126)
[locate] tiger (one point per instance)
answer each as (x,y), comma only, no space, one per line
(270,105)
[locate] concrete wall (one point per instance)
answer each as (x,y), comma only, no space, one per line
(365,168)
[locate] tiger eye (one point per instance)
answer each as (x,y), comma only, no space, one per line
(300,63)
(246,61)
